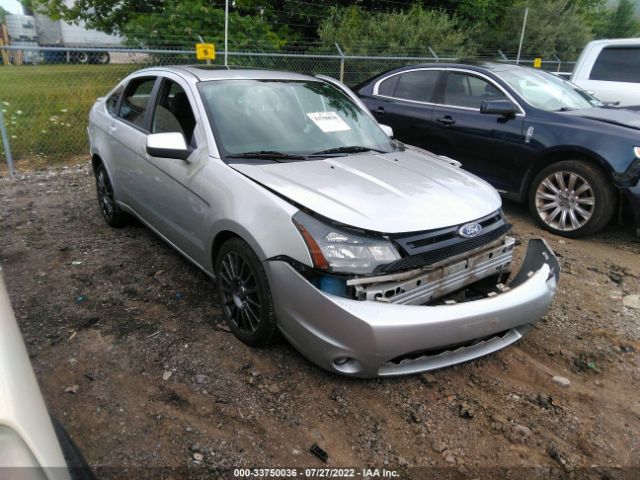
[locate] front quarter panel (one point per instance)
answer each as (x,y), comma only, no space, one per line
(250,211)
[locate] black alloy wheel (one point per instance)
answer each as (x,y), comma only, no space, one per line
(244,293)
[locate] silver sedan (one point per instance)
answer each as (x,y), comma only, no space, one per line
(371,257)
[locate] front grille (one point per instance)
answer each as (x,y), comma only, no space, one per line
(426,248)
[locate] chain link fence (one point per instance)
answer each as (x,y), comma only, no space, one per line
(46,93)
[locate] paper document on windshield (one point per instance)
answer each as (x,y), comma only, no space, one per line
(328,122)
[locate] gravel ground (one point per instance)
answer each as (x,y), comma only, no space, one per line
(132,354)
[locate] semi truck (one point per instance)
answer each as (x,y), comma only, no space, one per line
(40,30)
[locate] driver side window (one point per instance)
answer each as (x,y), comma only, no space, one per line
(173,112)
(462,90)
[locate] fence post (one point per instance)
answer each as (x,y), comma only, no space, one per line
(341,62)
(559,62)
(503,56)
(7,147)
(226,31)
(524,26)
(433,54)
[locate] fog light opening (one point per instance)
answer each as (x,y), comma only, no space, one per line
(347,365)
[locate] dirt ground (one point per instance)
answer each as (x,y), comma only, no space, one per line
(132,354)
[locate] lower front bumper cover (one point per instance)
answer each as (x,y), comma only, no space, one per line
(369,339)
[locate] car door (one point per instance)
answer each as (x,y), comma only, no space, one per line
(403,101)
(177,209)
(488,145)
(128,134)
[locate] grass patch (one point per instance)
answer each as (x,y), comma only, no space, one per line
(46,107)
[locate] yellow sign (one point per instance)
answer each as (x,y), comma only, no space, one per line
(205,51)
(537,62)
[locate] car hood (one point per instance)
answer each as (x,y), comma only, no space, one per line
(625,117)
(389,193)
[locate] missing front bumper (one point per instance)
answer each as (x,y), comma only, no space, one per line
(371,334)
(426,285)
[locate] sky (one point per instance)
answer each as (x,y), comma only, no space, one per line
(11,6)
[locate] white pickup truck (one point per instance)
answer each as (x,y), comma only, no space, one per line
(610,69)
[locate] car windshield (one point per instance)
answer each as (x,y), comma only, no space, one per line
(547,91)
(293,118)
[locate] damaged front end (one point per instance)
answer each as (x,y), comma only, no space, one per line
(419,268)
(438,298)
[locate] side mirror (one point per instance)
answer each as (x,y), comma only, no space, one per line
(498,107)
(387,129)
(168,145)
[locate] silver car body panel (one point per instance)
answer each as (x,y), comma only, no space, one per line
(194,203)
(391,192)
(24,419)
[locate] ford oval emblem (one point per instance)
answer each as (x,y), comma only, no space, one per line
(470,230)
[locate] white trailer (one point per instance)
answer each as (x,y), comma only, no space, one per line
(40,30)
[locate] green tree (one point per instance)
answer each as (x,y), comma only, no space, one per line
(619,22)
(412,31)
(3,13)
(554,27)
(181,23)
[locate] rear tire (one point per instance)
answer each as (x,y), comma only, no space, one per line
(572,198)
(111,212)
(244,294)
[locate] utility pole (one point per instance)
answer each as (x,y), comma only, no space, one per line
(524,26)
(226,30)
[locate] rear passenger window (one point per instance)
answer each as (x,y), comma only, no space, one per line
(617,64)
(112,101)
(388,86)
(136,100)
(418,85)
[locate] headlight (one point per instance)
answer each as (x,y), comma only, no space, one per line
(340,250)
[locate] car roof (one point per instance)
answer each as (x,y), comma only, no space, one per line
(216,72)
(468,64)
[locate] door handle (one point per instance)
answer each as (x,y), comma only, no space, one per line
(112,127)
(379,111)
(446,120)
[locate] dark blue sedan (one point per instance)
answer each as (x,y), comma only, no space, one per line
(536,137)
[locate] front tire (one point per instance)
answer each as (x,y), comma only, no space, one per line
(572,198)
(244,294)
(111,212)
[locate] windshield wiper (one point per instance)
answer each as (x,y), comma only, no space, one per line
(267,155)
(346,149)
(565,109)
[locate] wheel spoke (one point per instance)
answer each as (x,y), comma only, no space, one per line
(563,219)
(574,220)
(586,201)
(572,182)
(559,176)
(550,186)
(246,314)
(581,211)
(545,196)
(548,207)
(554,214)
(583,188)
(253,302)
